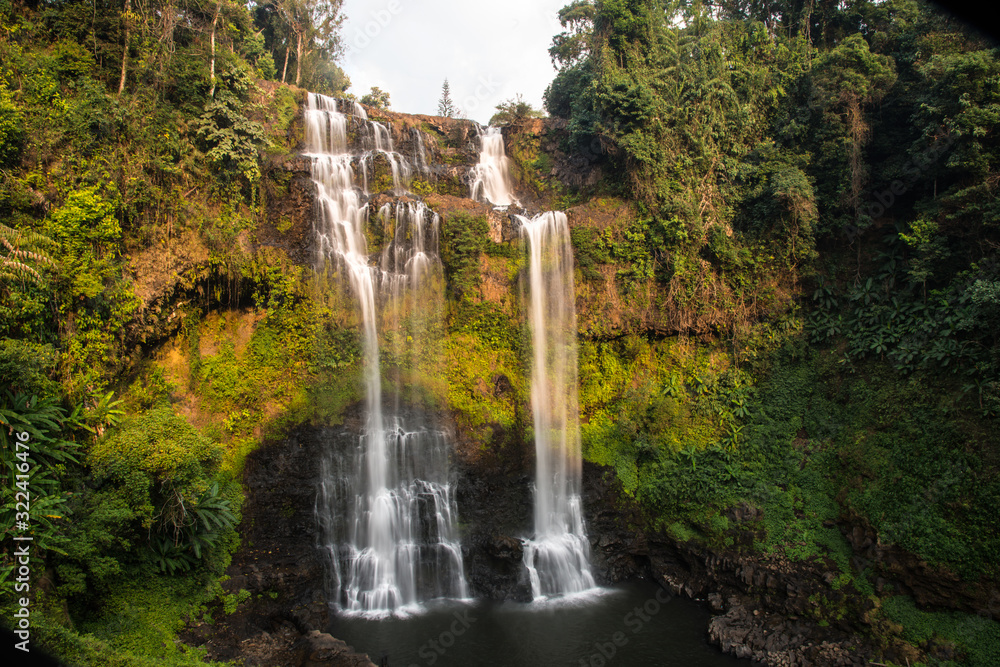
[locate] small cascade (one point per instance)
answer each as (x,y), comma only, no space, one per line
(386,507)
(377,141)
(558,556)
(359,110)
(420,156)
(491,177)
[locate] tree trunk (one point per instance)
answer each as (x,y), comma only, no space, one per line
(284,70)
(298,60)
(211,70)
(128,21)
(807,21)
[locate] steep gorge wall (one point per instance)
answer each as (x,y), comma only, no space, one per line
(635,334)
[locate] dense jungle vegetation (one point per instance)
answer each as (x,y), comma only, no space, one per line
(809,197)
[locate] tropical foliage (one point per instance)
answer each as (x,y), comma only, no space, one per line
(803,193)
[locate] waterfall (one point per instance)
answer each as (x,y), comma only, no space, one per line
(491,177)
(358,111)
(420,154)
(558,556)
(377,140)
(386,505)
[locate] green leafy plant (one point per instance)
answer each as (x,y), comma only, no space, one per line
(33,452)
(20,250)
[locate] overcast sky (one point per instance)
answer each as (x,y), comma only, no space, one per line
(488,50)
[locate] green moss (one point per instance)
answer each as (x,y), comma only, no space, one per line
(681,532)
(283,110)
(463,238)
(975,637)
(605,444)
(531,166)
(590,248)
(485,385)
(233,600)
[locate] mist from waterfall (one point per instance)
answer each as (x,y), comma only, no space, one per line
(386,506)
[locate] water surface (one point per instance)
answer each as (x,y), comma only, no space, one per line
(630,624)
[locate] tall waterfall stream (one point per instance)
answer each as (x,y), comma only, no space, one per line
(386,506)
(558,556)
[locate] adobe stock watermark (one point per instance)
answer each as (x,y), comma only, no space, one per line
(22,550)
(541,16)
(433,649)
(379,20)
(485,87)
(635,621)
(880,202)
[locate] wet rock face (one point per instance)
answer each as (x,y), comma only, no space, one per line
(580,168)
(769,604)
(496,514)
(290,209)
(280,565)
(321,650)
(618,550)
(495,505)
(929,586)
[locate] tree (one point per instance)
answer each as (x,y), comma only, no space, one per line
(514,112)
(572,46)
(446,107)
(127,17)
(211,69)
(377,98)
(315,25)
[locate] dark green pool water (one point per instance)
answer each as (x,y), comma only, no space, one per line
(630,624)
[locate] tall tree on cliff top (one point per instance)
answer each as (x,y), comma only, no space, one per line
(315,25)
(446,107)
(572,46)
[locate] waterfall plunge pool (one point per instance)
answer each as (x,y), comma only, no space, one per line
(628,624)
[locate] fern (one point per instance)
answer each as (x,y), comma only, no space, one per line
(20,247)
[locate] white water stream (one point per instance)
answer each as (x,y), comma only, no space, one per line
(558,556)
(386,507)
(491,177)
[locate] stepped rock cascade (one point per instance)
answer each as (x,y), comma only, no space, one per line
(420,154)
(386,506)
(558,556)
(377,140)
(491,177)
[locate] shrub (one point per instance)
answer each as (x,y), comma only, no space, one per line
(167,473)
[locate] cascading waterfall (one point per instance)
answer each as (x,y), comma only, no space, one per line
(491,177)
(386,507)
(558,556)
(420,155)
(377,140)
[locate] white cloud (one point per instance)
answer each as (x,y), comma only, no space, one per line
(488,51)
